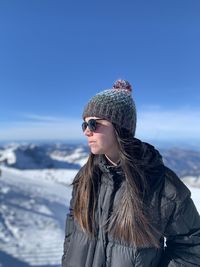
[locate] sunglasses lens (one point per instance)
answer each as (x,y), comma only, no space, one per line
(84,126)
(91,124)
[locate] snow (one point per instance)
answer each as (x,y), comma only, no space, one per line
(51,156)
(33,210)
(78,156)
(32,214)
(9,155)
(192,181)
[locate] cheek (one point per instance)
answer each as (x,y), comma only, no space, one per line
(108,140)
(102,140)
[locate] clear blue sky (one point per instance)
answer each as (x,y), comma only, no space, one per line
(56,54)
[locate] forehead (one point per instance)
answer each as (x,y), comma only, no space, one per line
(103,121)
(89,118)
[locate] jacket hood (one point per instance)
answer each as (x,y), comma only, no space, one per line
(147,159)
(152,165)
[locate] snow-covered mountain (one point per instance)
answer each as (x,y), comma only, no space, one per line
(183,161)
(32,216)
(34,195)
(46,156)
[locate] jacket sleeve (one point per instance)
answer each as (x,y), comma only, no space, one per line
(182,236)
(69,227)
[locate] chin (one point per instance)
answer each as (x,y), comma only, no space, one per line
(96,151)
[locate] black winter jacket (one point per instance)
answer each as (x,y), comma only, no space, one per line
(174,213)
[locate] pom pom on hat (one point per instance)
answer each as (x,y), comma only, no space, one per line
(122,84)
(115,105)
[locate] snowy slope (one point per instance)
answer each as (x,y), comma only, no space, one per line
(32,216)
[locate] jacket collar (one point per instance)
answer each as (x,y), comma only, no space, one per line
(105,167)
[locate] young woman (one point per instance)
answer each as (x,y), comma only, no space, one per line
(127,208)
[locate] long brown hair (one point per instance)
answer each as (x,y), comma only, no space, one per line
(130,220)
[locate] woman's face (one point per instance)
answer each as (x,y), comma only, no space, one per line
(103,139)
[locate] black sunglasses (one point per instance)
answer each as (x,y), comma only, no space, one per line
(91,124)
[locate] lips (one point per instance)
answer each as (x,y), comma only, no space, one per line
(91,142)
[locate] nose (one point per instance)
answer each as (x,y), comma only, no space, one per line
(87,132)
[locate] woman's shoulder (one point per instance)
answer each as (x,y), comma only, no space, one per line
(78,174)
(174,189)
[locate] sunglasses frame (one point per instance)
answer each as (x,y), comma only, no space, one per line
(91,124)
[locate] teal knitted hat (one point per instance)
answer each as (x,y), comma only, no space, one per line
(115,105)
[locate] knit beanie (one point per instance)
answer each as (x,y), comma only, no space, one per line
(115,105)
